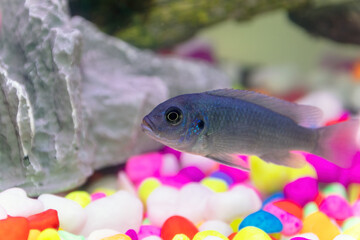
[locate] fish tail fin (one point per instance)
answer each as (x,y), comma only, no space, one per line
(339,143)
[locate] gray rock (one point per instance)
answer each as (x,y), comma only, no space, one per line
(72,98)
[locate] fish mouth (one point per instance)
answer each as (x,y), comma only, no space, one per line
(147,124)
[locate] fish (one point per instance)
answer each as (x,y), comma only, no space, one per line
(223,123)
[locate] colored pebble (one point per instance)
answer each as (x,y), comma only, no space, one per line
(106,191)
(209,233)
(235,224)
(263,220)
(49,234)
(216,225)
(356,208)
(119,236)
(143,166)
(215,184)
(292,224)
(181,236)
(251,233)
(310,208)
(33,234)
(320,225)
(148,230)
(223,176)
(147,187)
(97,195)
(336,207)
(351,221)
(236,174)
(353,231)
(44,220)
(273,197)
(14,228)
(193,173)
(175,225)
(69,236)
(290,207)
(335,189)
(353,192)
(206,165)
(344,237)
(132,234)
(302,190)
(307,236)
(81,197)
(101,233)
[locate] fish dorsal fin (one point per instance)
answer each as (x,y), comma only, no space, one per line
(306,116)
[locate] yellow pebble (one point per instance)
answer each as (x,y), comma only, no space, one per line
(204,234)
(354,192)
(180,237)
(353,231)
(107,191)
(81,197)
(215,184)
(118,237)
(147,187)
(235,224)
(33,234)
(251,233)
(269,178)
(49,234)
(320,225)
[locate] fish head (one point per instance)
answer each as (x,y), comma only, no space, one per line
(172,123)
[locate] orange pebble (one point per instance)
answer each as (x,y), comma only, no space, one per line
(319,224)
(118,237)
(290,207)
(231,236)
(14,228)
(175,225)
(319,198)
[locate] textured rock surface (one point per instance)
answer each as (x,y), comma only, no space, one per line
(72,98)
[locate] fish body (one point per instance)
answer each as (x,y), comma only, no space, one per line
(223,123)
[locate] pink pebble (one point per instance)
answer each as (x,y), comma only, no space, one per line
(167,149)
(236,174)
(193,173)
(143,166)
(291,224)
(356,208)
(148,230)
(302,190)
(132,234)
(336,207)
(176,181)
(97,195)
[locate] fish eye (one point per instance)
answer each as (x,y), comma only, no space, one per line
(173,115)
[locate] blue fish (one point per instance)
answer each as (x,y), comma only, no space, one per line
(221,124)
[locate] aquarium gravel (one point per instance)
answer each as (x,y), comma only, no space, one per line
(178,196)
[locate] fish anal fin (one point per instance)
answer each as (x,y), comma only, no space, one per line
(306,116)
(288,159)
(230,160)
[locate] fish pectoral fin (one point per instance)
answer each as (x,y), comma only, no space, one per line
(230,160)
(288,159)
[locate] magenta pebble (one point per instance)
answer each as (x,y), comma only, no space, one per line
(97,195)
(327,172)
(143,166)
(172,151)
(193,173)
(302,190)
(299,238)
(132,234)
(237,175)
(148,230)
(336,207)
(175,181)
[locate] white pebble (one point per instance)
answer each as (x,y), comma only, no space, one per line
(218,226)
(192,202)
(203,163)
(72,216)
(152,238)
(102,233)
(120,212)
(3,213)
(16,203)
(170,165)
(161,204)
(344,237)
(124,183)
(240,201)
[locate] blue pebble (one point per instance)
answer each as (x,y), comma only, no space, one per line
(223,176)
(274,197)
(263,220)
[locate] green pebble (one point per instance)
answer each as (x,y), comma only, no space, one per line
(146,221)
(310,208)
(335,188)
(69,236)
(351,221)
